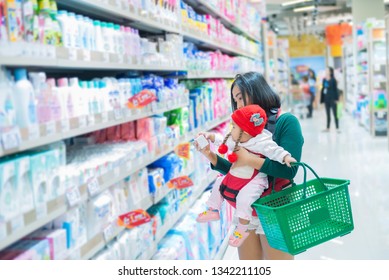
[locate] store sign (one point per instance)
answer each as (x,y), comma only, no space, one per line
(134,218)
(141,99)
(180,183)
(183,150)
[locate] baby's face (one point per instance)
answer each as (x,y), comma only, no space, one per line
(235,134)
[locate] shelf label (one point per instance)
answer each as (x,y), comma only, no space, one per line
(41,210)
(183,150)
(120,59)
(109,233)
(82,122)
(33,132)
(134,218)
(86,55)
(118,113)
(141,99)
(106,57)
(72,54)
(11,139)
(180,183)
(65,125)
(91,120)
(51,128)
(104,117)
(73,196)
(17,223)
(93,186)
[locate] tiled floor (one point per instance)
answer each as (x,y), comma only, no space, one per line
(355,155)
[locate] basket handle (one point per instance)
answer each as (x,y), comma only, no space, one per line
(305,166)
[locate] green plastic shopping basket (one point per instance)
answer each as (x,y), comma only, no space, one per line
(302,216)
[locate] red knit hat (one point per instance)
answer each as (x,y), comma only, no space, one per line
(251,119)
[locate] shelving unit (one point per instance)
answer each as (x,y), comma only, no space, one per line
(371,78)
(283,70)
(272,59)
(60,60)
(349,75)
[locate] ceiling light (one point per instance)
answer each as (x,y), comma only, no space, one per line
(289,3)
(304,9)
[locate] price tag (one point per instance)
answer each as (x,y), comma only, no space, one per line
(120,59)
(50,128)
(91,120)
(72,54)
(106,57)
(41,210)
(65,125)
(118,113)
(154,107)
(86,56)
(82,122)
(11,139)
(104,117)
(17,223)
(33,132)
(93,186)
(73,196)
(109,233)
(50,51)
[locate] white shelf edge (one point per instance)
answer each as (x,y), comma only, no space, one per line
(44,140)
(223,247)
(192,76)
(187,138)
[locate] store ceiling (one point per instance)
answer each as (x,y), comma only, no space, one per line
(286,21)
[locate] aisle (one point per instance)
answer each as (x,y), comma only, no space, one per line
(353,155)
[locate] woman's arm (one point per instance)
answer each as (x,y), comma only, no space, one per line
(289,136)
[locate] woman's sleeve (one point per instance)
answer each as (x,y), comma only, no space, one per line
(291,139)
(222,165)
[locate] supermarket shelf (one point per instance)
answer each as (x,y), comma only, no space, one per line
(146,21)
(97,243)
(223,247)
(203,40)
(82,60)
(219,75)
(59,206)
(140,19)
(208,8)
(170,224)
(78,127)
(31,223)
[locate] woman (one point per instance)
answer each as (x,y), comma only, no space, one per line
(312,91)
(330,97)
(247,89)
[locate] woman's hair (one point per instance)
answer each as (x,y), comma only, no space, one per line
(332,76)
(305,78)
(254,88)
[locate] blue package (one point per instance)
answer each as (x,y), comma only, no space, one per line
(155,179)
(171,164)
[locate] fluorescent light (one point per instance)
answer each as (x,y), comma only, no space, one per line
(304,9)
(289,3)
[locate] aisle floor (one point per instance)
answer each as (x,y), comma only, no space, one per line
(355,155)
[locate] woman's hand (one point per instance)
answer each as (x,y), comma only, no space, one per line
(206,151)
(246,158)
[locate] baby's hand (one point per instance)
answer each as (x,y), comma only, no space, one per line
(288,159)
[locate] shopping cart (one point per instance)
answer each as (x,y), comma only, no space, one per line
(299,101)
(302,216)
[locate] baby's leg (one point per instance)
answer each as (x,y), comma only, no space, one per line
(214,204)
(246,197)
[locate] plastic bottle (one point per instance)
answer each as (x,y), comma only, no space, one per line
(81,33)
(98,36)
(119,41)
(64,22)
(30,18)
(55,101)
(90,33)
(65,98)
(7,104)
(106,107)
(73,29)
(25,99)
(38,80)
(111,37)
(56,28)
(78,98)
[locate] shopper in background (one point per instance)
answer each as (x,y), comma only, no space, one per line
(247,89)
(330,96)
(312,91)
